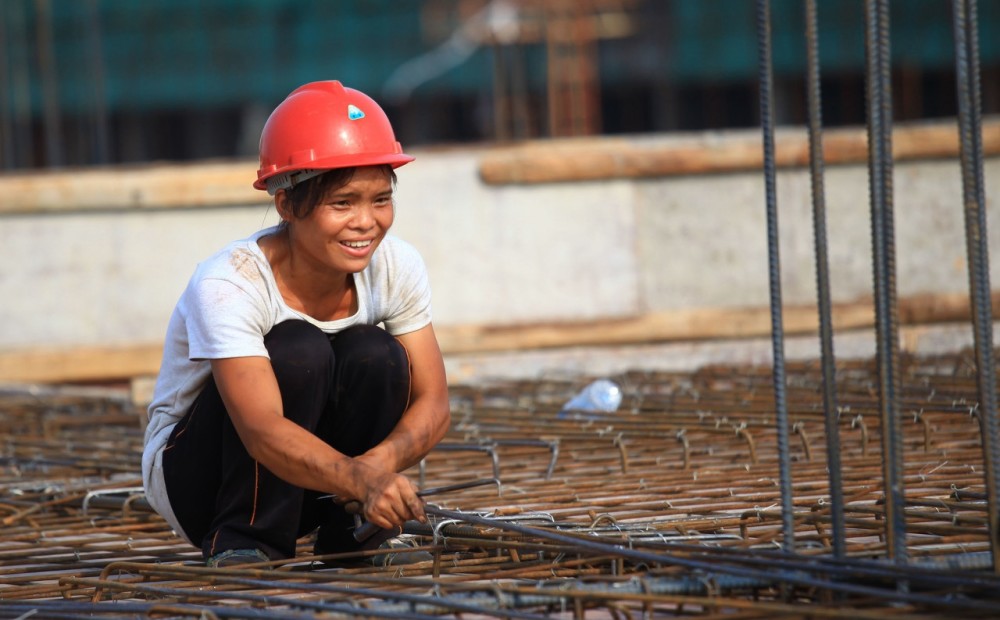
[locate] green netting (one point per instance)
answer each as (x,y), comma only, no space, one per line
(200,53)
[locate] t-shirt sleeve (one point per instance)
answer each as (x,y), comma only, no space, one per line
(409,291)
(224,320)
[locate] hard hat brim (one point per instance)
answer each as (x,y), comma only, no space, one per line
(353,160)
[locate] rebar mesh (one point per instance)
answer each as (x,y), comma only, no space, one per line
(670,506)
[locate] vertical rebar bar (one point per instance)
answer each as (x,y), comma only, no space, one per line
(101,152)
(878,89)
(49,77)
(6,116)
(774,271)
(20,84)
(501,93)
(830,412)
(977,246)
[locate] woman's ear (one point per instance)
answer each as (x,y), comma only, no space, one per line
(283,206)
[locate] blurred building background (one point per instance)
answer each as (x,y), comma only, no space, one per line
(92,82)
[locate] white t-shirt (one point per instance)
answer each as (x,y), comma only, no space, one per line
(232,302)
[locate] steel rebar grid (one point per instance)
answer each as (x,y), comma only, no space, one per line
(774,268)
(831,415)
(879,103)
(617,480)
(977,247)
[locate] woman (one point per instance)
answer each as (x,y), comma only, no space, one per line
(278,386)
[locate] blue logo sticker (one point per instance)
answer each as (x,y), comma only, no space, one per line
(354,113)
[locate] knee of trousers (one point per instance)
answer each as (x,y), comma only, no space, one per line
(372,347)
(297,350)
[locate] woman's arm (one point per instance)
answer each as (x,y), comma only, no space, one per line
(425,420)
(250,392)
(428,415)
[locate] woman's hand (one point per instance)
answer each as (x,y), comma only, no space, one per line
(389,499)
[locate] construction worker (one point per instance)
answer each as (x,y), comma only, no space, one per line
(301,363)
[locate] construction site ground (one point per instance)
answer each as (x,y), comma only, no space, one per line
(668,507)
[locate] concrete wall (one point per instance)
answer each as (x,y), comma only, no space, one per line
(507,254)
(702,240)
(621,248)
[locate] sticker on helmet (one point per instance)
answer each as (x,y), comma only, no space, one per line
(354,113)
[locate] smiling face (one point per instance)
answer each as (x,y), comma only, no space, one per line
(345,225)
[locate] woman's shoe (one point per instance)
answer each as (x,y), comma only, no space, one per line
(236,557)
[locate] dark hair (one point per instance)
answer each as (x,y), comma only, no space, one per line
(305,196)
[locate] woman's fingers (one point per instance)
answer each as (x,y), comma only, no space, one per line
(392,500)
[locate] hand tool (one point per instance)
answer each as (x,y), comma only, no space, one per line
(365,531)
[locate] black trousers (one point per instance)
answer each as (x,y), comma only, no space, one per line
(349,389)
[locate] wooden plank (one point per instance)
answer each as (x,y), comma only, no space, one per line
(206,184)
(81,364)
(699,324)
(592,159)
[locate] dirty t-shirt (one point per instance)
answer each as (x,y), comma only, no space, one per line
(232,301)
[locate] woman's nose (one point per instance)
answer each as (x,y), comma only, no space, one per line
(364,216)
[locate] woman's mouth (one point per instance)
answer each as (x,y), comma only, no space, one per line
(360,249)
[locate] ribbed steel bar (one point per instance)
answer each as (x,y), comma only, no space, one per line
(879,104)
(774,269)
(965,20)
(830,412)
(420,605)
(669,551)
(710,566)
(71,610)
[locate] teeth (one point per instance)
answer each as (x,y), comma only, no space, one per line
(357,244)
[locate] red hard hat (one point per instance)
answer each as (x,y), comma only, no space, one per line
(321,126)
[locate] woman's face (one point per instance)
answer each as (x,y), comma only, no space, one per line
(341,233)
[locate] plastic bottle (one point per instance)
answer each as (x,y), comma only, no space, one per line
(600,396)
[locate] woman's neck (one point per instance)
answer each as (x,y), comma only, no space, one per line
(318,293)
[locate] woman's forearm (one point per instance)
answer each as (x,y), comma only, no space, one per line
(302,459)
(422,426)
